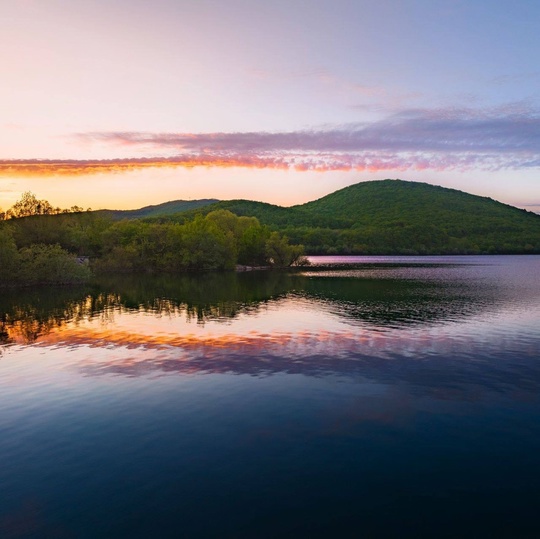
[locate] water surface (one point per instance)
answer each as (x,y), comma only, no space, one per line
(363,396)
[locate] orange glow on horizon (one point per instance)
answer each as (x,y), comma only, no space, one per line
(67,167)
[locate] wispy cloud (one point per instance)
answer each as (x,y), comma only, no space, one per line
(416,139)
(516,78)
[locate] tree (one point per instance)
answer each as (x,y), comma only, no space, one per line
(206,247)
(9,256)
(252,245)
(281,254)
(29,205)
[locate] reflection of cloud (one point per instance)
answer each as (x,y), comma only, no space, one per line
(382,330)
(430,362)
(438,139)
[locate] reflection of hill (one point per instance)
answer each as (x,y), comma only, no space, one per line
(360,298)
(397,302)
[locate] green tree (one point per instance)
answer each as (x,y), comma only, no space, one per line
(9,256)
(252,245)
(280,253)
(206,247)
(50,264)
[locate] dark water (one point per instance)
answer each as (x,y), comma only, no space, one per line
(395,397)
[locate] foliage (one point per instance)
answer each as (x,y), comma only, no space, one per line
(217,241)
(78,233)
(29,205)
(280,253)
(38,264)
(381,217)
(50,264)
(9,255)
(396,217)
(205,246)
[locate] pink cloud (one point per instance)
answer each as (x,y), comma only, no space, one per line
(415,139)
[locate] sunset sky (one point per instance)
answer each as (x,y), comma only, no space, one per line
(134,102)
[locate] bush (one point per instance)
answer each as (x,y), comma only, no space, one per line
(49,264)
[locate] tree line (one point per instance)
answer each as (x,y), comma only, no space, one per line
(67,247)
(29,205)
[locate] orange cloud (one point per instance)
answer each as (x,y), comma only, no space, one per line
(299,163)
(72,167)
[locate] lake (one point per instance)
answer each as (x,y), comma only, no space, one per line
(358,397)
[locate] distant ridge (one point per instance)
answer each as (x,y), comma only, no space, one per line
(159,210)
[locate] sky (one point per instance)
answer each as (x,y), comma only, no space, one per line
(135,102)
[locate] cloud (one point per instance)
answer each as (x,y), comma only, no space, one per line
(73,167)
(415,130)
(414,139)
(516,78)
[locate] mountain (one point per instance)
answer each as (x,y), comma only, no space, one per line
(270,214)
(395,217)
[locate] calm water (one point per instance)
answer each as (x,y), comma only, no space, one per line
(364,397)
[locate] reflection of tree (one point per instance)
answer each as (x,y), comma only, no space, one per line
(27,315)
(204,297)
(223,296)
(4,335)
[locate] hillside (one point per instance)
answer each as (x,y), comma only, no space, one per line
(387,201)
(377,217)
(396,217)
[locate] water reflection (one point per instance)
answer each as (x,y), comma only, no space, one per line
(448,325)
(288,315)
(398,389)
(27,316)
(361,298)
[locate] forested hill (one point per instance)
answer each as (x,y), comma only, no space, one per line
(397,217)
(377,217)
(410,217)
(396,202)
